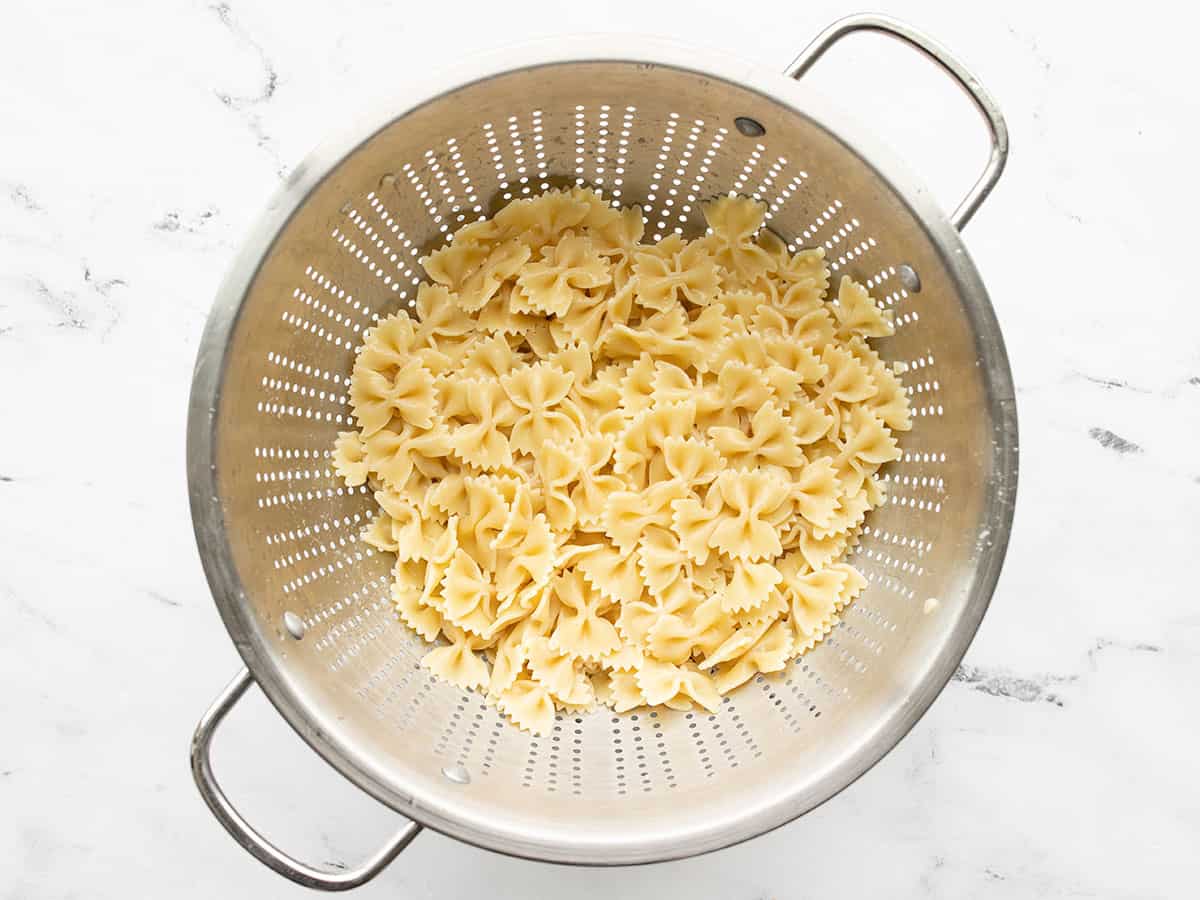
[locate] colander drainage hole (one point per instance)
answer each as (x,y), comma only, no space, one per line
(749,127)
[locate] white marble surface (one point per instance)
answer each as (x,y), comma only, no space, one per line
(138,140)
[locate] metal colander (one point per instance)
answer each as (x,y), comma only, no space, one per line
(307,604)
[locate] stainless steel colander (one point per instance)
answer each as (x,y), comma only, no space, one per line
(307,605)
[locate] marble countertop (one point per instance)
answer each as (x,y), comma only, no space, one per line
(140,140)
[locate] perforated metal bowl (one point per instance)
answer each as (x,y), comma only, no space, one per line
(307,605)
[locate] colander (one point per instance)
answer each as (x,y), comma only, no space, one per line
(307,605)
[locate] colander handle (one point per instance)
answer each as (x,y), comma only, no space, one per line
(933,50)
(258,846)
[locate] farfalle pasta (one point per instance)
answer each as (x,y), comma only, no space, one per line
(616,472)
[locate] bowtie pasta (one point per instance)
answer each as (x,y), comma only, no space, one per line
(617,472)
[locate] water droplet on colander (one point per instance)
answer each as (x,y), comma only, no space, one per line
(909,278)
(294,624)
(458,774)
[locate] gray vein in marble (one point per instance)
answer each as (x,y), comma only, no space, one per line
(926,880)
(328,842)
(225,14)
(1075,218)
(1031,45)
(102,286)
(71,729)
(30,611)
(60,304)
(174,221)
(248,104)
(69,312)
(1115,442)
(1038,112)
(7,479)
(1113,383)
(1170,392)
(21,196)
(162,598)
(1103,644)
(1001,683)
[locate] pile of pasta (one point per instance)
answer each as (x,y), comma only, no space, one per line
(618,472)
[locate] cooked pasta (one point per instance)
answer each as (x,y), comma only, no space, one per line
(615,472)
